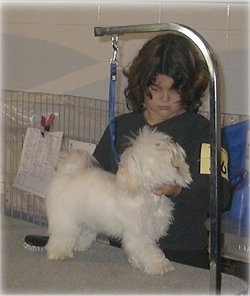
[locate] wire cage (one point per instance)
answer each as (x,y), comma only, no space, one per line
(79,118)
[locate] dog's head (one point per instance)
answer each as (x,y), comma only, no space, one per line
(152,159)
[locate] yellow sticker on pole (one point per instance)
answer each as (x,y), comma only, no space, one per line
(206,159)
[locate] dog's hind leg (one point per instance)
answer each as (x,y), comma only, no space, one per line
(85,239)
(143,253)
(61,243)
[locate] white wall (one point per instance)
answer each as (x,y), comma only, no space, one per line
(51,48)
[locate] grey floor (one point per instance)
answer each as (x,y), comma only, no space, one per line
(100,270)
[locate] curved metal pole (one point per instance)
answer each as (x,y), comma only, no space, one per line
(215,131)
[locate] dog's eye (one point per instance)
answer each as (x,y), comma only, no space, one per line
(158,145)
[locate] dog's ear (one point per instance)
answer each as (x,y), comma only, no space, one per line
(182,168)
(126,177)
(179,156)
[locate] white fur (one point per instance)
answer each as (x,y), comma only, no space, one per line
(84,200)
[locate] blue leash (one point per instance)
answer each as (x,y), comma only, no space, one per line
(112,93)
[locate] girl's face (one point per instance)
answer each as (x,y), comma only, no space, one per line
(161,101)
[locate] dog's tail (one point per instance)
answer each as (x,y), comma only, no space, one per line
(74,162)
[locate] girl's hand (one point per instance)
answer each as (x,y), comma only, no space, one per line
(167,189)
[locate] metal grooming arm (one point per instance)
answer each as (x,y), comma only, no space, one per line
(215,134)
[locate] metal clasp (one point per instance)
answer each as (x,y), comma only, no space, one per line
(115,48)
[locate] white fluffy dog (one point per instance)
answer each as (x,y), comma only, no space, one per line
(84,200)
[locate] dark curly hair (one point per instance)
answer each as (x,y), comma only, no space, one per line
(170,54)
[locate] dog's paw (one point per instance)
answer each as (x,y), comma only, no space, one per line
(81,248)
(83,244)
(159,267)
(59,254)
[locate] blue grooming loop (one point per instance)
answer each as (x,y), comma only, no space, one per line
(112,95)
(215,132)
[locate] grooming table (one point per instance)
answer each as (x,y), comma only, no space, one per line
(103,269)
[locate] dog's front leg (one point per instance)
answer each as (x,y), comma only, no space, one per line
(143,253)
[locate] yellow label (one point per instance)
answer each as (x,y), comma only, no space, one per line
(206,159)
